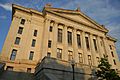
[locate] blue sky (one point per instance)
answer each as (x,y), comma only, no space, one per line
(106,12)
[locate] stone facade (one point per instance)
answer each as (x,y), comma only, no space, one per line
(58,33)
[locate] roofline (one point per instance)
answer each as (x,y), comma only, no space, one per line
(111,38)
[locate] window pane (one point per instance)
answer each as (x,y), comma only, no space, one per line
(13,54)
(95,45)
(70,55)
(114,61)
(35,32)
(87,43)
(49,43)
(22,21)
(69,38)
(17,41)
(59,53)
(29,70)
(59,35)
(31,55)
(78,40)
(48,54)
(50,29)
(33,42)
(20,30)
(112,53)
(89,60)
(80,57)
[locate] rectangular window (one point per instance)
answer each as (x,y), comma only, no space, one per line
(69,38)
(35,33)
(80,57)
(48,54)
(17,40)
(29,70)
(70,55)
(22,21)
(9,68)
(110,47)
(31,55)
(87,43)
(59,35)
(13,54)
(78,40)
(112,53)
(49,43)
(20,30)
(114,61)
(97,60)
(95,45)
(33,43)
(59,53)
(89,60)
(50,29)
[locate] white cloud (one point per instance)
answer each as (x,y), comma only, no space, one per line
(6,6)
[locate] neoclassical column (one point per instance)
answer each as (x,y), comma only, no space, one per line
(85,58)
(99,47)
(93,53)
(65,44)
(45,37)
(54,47)
(75,48)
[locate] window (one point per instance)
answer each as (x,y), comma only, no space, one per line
(22,21)
(59,53)
(59,35)
(89,60)
(17,41)
(69,38)
(114,61)
(20,30)
(95,45)
(112,53)
(110,47)
(29,70)
(97,60)
(13,54)
(80,57)
(87,43)
(70,55)
(31,55)
(49,43)
(50,29)
(48,54)
(35,33)
(33,43)
(101,43)
(78,40)
(9,68)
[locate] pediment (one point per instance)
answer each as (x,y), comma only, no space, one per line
(78,17)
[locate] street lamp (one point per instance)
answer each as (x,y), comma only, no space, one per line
(73,64)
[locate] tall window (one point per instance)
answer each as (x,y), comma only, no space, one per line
(69,38)
(114,61)
(33,43)
(22,21)
(17,40)
(70,55)
(9,68)
(97,60)
(29,70)
(78,40)
(95,45)
(49,43)
(20,30)
(59,35)
(110,47)
(50,29)
(59,53)
(112,53)
(35,33)
(80,57)
(48,54)
(13,54)
(89,60)
(31,55)
(87,43)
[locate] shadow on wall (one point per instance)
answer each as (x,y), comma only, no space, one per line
(55,69)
